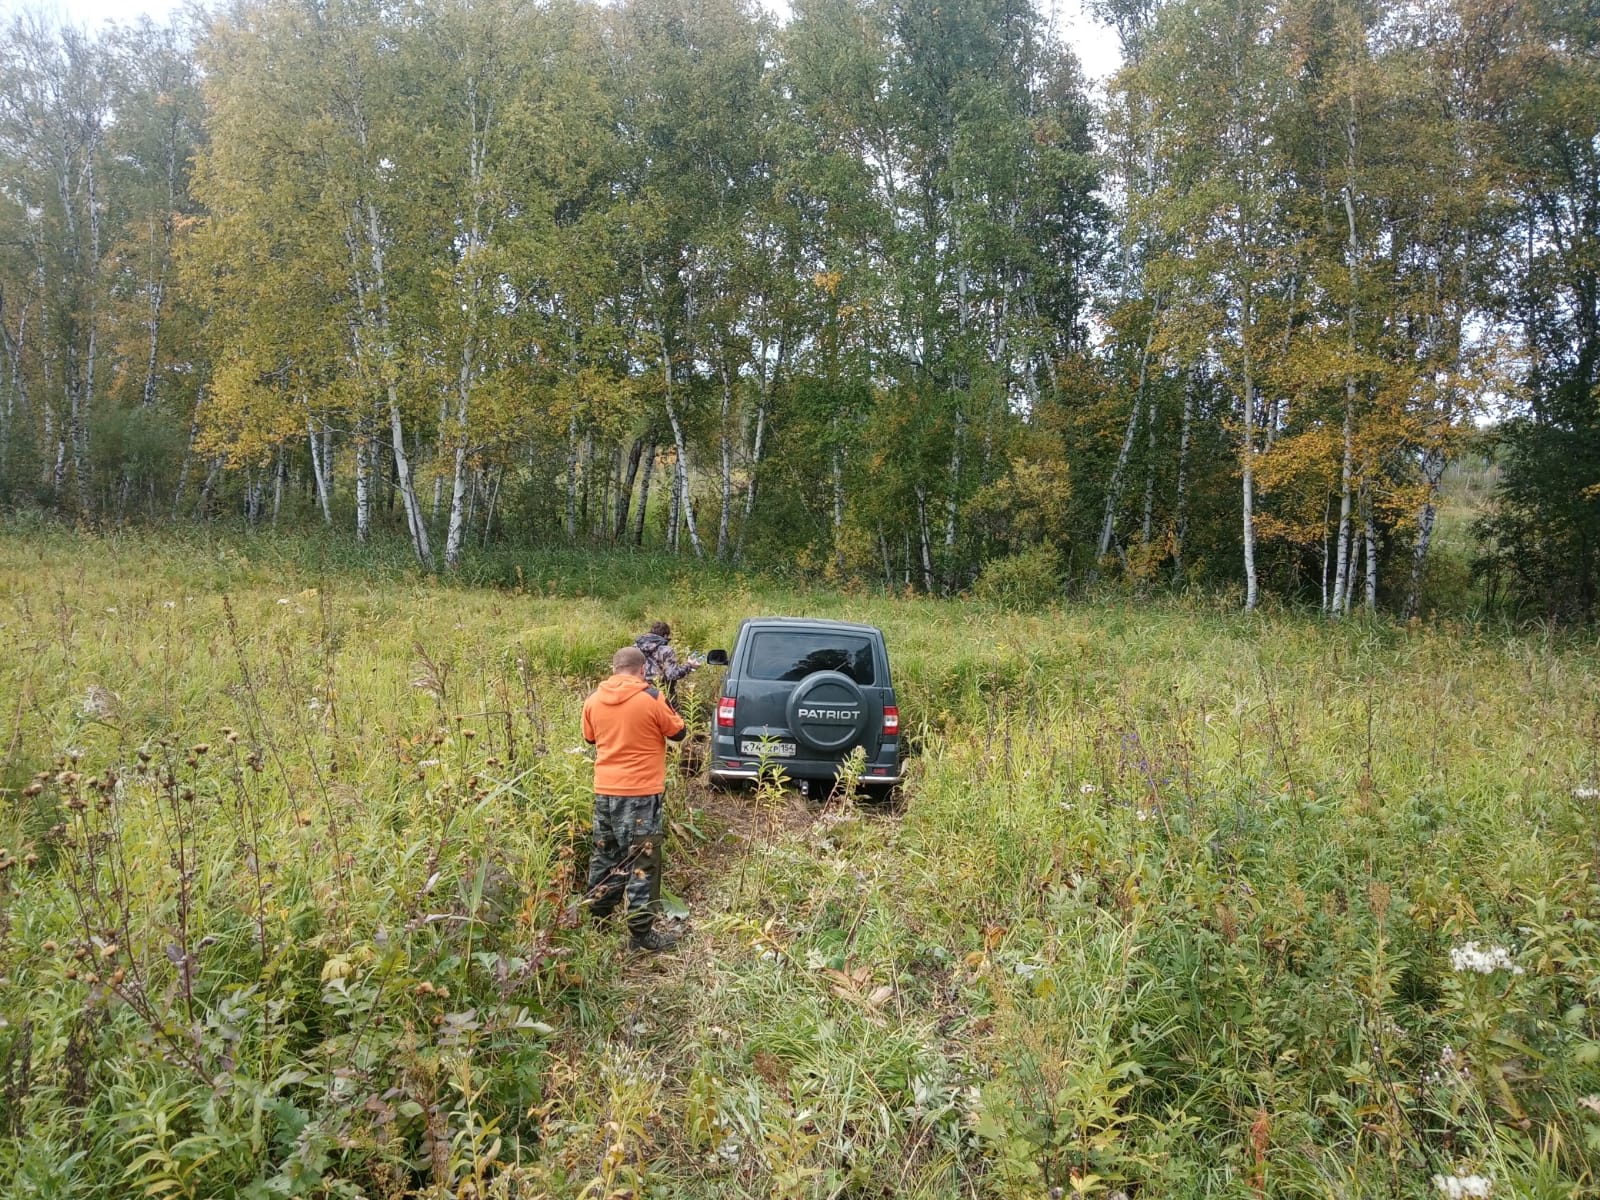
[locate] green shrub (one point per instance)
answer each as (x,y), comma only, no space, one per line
(1030,579)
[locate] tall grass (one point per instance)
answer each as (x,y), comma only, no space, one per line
(1173,906)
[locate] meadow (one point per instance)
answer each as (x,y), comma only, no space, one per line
(1176,901)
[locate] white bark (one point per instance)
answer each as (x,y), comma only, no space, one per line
(684,510)
(572,477)
(1346,549)
(644,494)
(927,546)
(1248,471)
(1343,553)
(838,503)
(1180,528)
(319,472)
(364,470)
(725,445)
(1114,487)
(1371,529)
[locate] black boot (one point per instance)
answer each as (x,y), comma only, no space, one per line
(651,940)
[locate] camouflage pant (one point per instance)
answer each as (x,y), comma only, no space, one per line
(626,858)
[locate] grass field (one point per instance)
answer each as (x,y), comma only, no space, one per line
(1178,902)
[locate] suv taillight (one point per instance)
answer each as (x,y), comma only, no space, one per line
(891,719)
(725,712)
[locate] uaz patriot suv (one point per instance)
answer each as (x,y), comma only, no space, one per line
(801,694)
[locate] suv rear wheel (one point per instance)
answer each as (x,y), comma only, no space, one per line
(827,711)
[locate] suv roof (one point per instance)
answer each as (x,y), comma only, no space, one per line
(811,623)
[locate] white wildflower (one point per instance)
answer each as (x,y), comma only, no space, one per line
(99,703)
(284,600)
(728,1148)
(1460,1187)
(1063,806)
(429,762)
(1586,792)
(1086,789)
(577,750)
(769,956)
(112,610)
(1452,1069)
(314,704)
(1028,969)
(1485,961)
(169,604)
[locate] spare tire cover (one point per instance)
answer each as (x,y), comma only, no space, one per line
(827,711)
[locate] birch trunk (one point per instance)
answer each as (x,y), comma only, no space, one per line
(471,268)
(364,469)
(1370,527)
(585,482)
(725,446)
(644,494)
(838,505)
(927,541)
(1342,538)
(203,507)
(85,406)
(1150,471)
(494,500)
(1248,472)
(953,501)
(319,470)
(1114,487)
(1180,527)
(458,473)
(1432,474)
(1352,249)
(188,454)
(674,510)
(619,527)
(572,477)
(764,399)
(682,469)
(17,406)
(680,490)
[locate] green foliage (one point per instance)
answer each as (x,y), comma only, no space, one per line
(1177,902)
(1029,579)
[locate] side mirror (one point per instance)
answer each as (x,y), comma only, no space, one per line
(716,658)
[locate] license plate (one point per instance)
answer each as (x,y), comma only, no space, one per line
(767,749)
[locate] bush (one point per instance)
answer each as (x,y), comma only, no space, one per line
(1028,580)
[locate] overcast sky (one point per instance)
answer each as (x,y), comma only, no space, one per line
(1095,43)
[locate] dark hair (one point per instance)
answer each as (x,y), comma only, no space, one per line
(661,629)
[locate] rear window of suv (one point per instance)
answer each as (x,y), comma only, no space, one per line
(782,655)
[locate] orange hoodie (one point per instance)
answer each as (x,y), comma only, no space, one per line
(629,723)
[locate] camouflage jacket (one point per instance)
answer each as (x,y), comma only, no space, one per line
(661,664)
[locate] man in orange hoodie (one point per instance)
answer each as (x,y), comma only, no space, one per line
(629,724)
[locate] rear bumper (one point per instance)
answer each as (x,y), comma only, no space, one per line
(751,774)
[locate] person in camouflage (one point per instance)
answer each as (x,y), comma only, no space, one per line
(661,665)
(629,724)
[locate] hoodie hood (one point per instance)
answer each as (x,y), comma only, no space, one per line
(619,689)
(650,643)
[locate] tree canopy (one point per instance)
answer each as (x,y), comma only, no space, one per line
(885,291)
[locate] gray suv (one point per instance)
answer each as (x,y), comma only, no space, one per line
(800,695)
